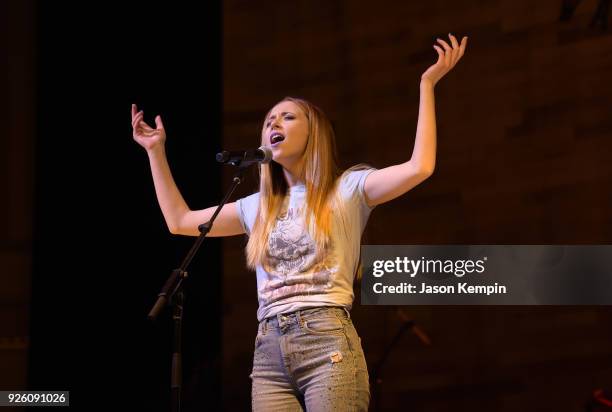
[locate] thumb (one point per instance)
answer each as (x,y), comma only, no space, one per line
(158,122)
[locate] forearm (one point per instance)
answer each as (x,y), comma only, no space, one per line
(424,152)
(170,200)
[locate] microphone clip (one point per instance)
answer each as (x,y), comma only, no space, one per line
(244,158)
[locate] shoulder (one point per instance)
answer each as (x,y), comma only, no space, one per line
(353,179)
(247,208)
(248,203)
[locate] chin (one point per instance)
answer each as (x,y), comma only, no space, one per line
(281,158)
(278,152)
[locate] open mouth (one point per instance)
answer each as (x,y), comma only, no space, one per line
(276,138)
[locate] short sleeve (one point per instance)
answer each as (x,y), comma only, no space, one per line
(247,211)
(352,186)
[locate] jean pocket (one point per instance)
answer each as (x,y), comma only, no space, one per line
(324,325)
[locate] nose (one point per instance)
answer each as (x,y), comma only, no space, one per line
(274,122)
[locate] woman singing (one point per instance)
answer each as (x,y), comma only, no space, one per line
(304,226)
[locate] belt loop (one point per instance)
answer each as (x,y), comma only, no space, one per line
(348,315)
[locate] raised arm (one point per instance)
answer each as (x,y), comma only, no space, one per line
(179,218)
(390,182)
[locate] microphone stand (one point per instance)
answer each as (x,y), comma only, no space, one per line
(172,292)
(406,323)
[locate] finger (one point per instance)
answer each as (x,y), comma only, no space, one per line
(453,41)
(138,113)
(460,51)
(158,122)
(137,119)
(441,57)
(144,127)
(463,45)
(140,132)
(445,44)
(133,110)
(448,55)
(455,55)
(440,52)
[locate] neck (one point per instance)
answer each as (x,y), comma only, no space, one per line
(293,173)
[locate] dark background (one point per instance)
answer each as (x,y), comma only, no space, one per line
(524,131)
(101,250)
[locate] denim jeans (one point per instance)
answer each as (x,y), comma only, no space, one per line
(311,360)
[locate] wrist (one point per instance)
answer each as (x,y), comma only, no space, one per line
(427,83)
(157,151)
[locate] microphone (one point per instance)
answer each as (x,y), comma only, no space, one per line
(245,157)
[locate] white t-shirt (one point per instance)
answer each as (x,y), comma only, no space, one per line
(292,278)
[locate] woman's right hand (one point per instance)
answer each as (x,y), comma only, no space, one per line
(144,134)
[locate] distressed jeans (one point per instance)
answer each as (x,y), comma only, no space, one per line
(310,360)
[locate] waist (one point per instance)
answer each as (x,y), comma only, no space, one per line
(298,317)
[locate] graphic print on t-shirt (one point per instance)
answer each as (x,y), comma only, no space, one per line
(290,263)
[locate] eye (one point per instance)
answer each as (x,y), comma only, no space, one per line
(287,117)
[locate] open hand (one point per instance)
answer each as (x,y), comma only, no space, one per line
(144,134)
(447,59)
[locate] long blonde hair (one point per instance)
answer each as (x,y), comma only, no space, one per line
(320,174)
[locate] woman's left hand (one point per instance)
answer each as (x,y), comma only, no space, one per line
(447,59)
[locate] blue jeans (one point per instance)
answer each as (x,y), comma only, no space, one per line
(309,359)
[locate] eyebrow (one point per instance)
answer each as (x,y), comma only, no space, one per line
(282,114)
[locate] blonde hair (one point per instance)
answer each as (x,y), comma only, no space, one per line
(320,174)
